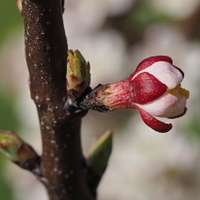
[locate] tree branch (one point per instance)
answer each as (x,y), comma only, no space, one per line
(46,52)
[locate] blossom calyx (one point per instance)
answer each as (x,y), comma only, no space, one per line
(154,89)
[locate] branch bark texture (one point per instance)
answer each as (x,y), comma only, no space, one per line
(62,162)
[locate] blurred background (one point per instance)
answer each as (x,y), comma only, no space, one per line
(114,35)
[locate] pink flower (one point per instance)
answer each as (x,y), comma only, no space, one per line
(154,89)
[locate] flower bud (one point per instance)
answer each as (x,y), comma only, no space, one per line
(17,150)
(78,74)
(19,5)
(154,89)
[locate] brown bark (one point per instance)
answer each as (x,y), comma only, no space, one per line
(46,52)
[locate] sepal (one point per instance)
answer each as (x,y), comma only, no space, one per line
(150,61)
(146,88)
(152,122)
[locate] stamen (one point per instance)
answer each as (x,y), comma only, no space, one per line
(184,92)
(179,91)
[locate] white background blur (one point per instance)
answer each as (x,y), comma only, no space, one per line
(144,165)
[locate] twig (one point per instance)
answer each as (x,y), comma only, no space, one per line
(46,52)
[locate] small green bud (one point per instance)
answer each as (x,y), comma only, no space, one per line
(19,5)
(100,152)
(9,144)
(78,74)
(15,148)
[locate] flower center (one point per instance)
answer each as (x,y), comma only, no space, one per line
(179,91)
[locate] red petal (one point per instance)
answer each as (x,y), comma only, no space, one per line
(146,88)
(149,61)
(152,122)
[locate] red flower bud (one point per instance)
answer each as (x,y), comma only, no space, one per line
(153,89)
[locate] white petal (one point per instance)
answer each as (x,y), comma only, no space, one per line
(167,106)
(164,72)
